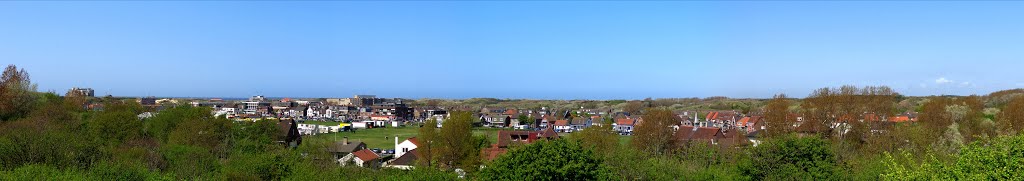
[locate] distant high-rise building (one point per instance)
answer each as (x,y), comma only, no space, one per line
(148,101)
(81,92)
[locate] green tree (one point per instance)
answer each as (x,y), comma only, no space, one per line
(454,144)
(427,136)
(113,126)
(547,160)
(602,139)
(999,159)
(793,158)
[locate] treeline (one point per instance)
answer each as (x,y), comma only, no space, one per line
(44,136)
(842,133)
(839,135)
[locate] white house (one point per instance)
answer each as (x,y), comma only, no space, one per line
(362,124)
(362,158)
(624,126)
(405,146)
(397,123)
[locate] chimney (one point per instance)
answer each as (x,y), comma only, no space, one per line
(344,140)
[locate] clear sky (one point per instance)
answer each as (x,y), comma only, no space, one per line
(537,49)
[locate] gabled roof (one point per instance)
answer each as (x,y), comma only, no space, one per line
(408,159)
(512,112)
(578,121)
(414,141)
(365,155)
(340,147)
(625,121)
(683,133)
(706,133)
(562,123)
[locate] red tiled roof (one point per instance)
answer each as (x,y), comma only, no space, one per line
(511,112)
(683,133)
(743,122)
(899,119)
(365,155)
(562,123)
(626,121)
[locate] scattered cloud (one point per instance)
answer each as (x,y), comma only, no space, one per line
(943,80)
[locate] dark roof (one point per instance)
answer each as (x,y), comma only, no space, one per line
(407,159)
(505,137)
(340,147)
(579,121)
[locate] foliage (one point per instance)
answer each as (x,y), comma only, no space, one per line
(1000,159)
(17,94)
(114,126)
(427,135)
(455,147)
(654,133)
(559,159)
(777,117)
(1011,118)
(601,139)
(190,162)
(793,158)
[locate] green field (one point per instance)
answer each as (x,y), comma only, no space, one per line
(385,137)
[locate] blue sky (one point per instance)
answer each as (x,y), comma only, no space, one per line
(536,49)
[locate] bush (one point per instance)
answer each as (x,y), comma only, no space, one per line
(1001,159)
(792,158)
(547,160)
(42,172)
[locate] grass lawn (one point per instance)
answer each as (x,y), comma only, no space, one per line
(624,140)
(384,138)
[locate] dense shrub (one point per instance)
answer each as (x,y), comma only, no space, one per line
(793,158)
(547,160)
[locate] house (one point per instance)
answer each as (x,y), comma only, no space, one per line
(499,120)
(341,149)
(562,126)
(719,119)
(397,123)
(405,154)
(624,126)
(579,123)
(289,133)
(507,139)
(689,135)
(751,124)
(407,161)
(596,121)
(362,158)
(405,146)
